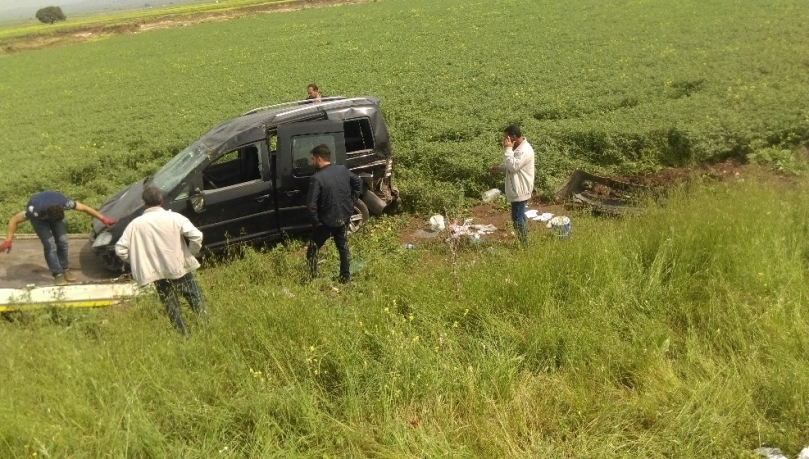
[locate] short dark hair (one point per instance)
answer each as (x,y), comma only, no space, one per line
(53,213)
(313,86)
(322,151)
(152,196)
(513,130)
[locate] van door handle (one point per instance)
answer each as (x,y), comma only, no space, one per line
(262,198)
(293,192)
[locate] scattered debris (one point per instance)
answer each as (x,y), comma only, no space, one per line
(602,194)
(533,214)
(435,225)
(474,232)
(775,453)
(770,453)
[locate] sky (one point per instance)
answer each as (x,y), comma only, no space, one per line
(14,10)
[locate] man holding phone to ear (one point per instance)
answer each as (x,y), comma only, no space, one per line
(518,166)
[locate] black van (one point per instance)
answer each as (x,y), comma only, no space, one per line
(247,178)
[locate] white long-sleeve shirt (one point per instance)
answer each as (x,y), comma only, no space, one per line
(518,165)
(155,247)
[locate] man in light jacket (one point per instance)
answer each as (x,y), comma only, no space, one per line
(518,166)
(155,246)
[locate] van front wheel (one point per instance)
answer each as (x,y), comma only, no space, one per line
(359,217)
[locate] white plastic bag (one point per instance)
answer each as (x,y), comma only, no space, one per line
(437,222)
(491,195)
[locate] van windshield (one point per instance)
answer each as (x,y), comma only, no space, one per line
(178,168)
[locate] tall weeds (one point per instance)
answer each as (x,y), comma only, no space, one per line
(677,333)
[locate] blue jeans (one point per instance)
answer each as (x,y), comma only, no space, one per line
(54,242)
(187,285)
(518,218)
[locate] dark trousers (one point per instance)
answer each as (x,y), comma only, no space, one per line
(320,234)
(518,218)
(187,286)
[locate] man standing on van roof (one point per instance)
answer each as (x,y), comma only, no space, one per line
(155,246)
(333,191)
(518,166)
(46,212)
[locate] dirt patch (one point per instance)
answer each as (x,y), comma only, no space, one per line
(497,213)
(100,30)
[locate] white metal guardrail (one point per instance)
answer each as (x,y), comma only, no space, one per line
(67,296)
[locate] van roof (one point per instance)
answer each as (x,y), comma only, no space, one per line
(254,123)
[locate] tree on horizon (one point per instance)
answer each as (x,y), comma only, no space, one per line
(50,14)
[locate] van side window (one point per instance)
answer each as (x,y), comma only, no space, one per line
(302,146)
(234,167)
(358,135)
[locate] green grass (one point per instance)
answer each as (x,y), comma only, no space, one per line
(677,333)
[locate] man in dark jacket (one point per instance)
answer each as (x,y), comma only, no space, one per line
(333,191)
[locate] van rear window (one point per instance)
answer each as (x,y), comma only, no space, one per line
(358,135)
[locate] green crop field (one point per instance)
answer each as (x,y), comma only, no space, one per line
(677,333)
(619,86)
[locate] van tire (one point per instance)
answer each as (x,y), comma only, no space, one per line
(359,217)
